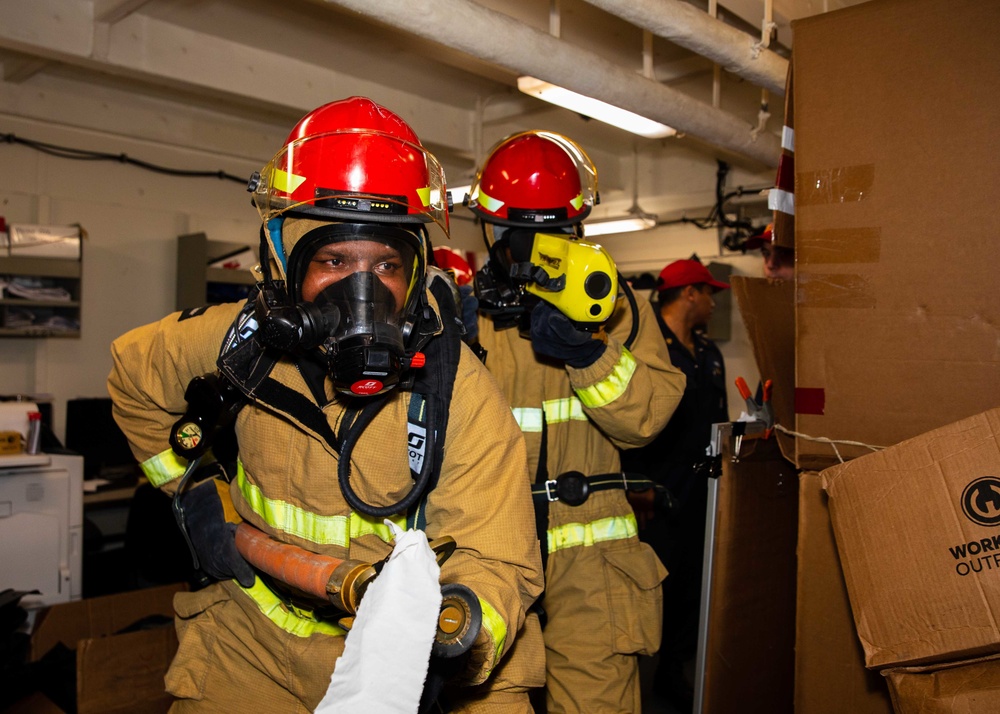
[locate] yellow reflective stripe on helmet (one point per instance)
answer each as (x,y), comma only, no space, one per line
(496,627)
(612,386)
(488,202)
(164,467)
(528,418)
(323,530)
(577,202)
(285,182)
(572,535)
(294,623)
(424,194)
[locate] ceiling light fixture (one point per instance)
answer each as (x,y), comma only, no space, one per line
(635,219)
(459,193)
(639,222)
(594,108)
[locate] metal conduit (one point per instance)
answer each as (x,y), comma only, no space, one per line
(503,41)
(699,32)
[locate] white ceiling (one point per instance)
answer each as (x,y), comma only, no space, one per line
(273,61)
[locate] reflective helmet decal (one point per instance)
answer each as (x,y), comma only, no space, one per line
(286,182)
(491,204)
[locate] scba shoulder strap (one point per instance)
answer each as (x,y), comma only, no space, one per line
(433,387)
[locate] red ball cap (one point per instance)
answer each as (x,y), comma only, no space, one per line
(755,241)
(686,272)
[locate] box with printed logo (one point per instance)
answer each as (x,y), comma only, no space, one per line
(830,673)
(917,527)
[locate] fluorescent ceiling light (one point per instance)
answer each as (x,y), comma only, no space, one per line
(594,108)
(459,193)
(619,225)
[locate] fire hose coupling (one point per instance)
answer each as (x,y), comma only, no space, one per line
(344,582)
(459,623)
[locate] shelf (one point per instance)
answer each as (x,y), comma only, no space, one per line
(44,267)
(197,283)
(230,277)
(36,332)
(21,302)
(65,273)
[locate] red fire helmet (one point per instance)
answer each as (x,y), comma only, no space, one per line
(534,179)
(353,160)
(452,262)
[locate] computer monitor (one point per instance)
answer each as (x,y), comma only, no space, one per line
(92,432)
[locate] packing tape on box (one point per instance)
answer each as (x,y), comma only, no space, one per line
(843,184)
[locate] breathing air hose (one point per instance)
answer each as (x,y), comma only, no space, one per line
(365,418)
(635,310)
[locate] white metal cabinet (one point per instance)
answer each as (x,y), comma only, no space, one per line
(41,527)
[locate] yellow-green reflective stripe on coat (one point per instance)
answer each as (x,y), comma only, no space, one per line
(294,623)
(603,530)
(164,467)
(556,411)
(323,530)
(611,387)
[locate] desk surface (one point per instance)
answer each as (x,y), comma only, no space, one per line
(8,461)
(110,494)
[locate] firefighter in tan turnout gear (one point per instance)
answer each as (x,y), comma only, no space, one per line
(352,400)
(585,371)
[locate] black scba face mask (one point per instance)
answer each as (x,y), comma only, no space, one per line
(499,287)
(353,325)
(364,350)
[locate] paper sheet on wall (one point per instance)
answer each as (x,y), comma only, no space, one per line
(386,655)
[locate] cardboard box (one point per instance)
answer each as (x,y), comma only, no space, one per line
(10,443)
(830,673)
(749,655)
(897,104)
(768,311)
(115,673)
(44,241)
(966,687)
(918,538)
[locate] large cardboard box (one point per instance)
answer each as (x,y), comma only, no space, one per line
(965,687)
(897,105)
(918,533)
(830,673)
(116,672)
(768,311)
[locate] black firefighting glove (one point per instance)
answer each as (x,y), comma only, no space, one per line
(208,520)
(553,335)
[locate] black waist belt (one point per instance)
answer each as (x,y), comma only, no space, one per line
(573,488)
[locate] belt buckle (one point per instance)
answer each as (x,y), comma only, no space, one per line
(572,488)
(549,486)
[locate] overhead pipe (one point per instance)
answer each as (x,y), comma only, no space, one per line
(701,32)
(501,40)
